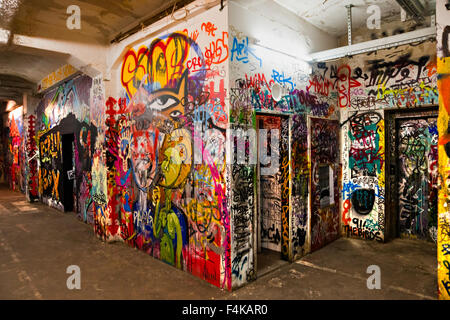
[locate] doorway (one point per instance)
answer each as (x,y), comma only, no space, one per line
(413,174)
(68,171)
(271,231)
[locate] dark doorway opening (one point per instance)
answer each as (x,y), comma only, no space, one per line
(68,171)
(412,175)
(325,172)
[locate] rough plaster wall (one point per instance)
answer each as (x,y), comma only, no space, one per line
(4,147)
(325,173)
(331,15)
(397,78)
(3,150)
(172,104)
(276,27)
(253,70)
(65,109)
(15,149)
(443,69)
(31,168)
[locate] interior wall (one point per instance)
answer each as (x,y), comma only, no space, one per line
(325,179)
(150,164)
(31,150)
(17,165)
(65,109)
(443,70)
(34,157)
(276,27)
(3,150)
(270,191)
(307,91)
(398,78)
(15,160)
(159,177)
(136,175)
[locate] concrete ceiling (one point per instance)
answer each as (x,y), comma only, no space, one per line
(101,21)
(12,87)
(331,15)
(28,63)
(22,68)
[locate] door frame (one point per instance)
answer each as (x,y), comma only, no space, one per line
(392,226)
(257,235)
(337,167)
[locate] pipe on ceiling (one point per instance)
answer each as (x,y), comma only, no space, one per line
(145,23)
(414,8)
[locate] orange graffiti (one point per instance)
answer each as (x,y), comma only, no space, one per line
(432,69)
(345,216)
(346,83)
(134,68)
(55,176)
(444,91)
(164,62)
(209,28)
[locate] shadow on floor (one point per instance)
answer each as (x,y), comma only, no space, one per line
(268,261)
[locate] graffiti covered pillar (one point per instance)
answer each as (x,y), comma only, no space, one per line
(15,148)
(160,185)
(443,68)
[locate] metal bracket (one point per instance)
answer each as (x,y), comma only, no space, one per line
(349,23)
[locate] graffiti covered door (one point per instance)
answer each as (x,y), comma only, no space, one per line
(417,156)
(325,171)
(270,187)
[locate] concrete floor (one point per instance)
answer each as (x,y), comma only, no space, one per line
(268,261)
(38,243)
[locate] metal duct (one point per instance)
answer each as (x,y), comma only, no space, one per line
(414,8)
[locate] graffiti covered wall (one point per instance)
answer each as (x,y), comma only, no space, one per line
(15,153)
(443,69)
(397,78)
(32,159)
(280,216)
(149,165)
(325,180)
(64,110)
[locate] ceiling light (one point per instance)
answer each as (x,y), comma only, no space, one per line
(10,106)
